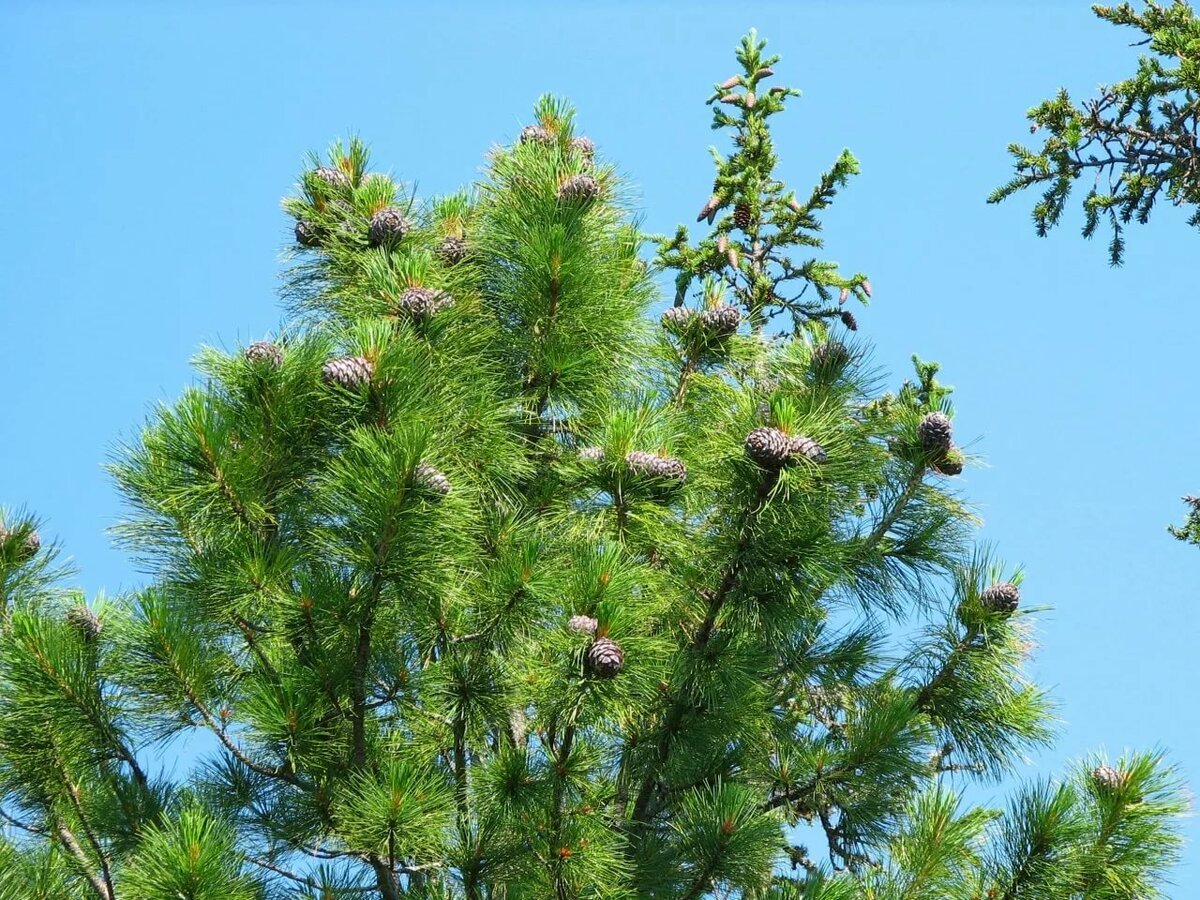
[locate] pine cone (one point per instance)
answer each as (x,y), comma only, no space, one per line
(830,358)
(769,447)
(536,134)
(453,250)
(952,463)
(605,657)
(591,454)
(387,226)
(83,620)
(579,189)
(432,480)
(935,433)
(709,210)
(654,466)
(308,234)
(25,550)
(422,303)
(349,372)
(1109,779)
(334,178)
(721,320)
(584,147)
(741,216)
(265,353)
(1001,597)
(848,320)
(583,624)
(676,318)
(808,448)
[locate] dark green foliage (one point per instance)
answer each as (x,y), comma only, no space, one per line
(483,586)
(1135,143)
(1190,530)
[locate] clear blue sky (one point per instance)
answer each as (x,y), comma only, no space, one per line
(147,146)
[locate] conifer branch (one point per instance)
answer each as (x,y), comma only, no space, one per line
(716,600)
(99,884)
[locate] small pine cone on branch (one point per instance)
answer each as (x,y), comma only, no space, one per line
(653,465)
(591,454)
(1001,597)
(536,134)
(583,624)
(605,658)
(387,226)
(422,303)
(432,480)
(83,620)
(264,353)
(1109,779)
(709,209)
(584,147)
(721,320)
(741,216)
(830,357)
(769,447)
(677,318)
(25,549)
(349,372)
(936,433)
(332,178)
(308,234)
(848,319)
(579,189)
(452,250)
(801,446)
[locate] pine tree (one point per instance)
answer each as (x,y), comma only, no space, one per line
(1138,142)
(486,586)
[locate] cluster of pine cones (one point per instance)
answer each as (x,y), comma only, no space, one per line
(935,435)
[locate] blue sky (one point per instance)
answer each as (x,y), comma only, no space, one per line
(147,146)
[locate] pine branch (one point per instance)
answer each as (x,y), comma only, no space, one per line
(716,600)
(100,884)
